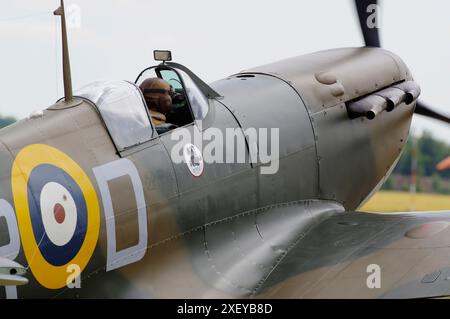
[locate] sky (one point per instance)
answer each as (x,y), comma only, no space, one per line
(214,38)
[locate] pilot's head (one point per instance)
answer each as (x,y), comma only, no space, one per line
(157,94)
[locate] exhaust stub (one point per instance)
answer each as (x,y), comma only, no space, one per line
(386,99)
(411,89)
(369,106)
(393,96)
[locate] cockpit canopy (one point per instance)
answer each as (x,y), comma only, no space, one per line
(193,92)
(123,110)
(127,116)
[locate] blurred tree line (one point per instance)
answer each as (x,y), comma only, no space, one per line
(429,153)
(5,121)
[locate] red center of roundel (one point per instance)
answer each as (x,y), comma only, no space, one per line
(59,213)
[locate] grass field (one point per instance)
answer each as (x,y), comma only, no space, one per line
(387,201)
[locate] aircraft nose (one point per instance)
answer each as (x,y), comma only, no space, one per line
(357,151)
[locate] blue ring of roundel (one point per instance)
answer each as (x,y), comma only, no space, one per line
(54,254)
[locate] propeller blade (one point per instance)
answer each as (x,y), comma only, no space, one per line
(366,10)
(425,110)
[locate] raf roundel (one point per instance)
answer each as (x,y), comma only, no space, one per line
(57,211)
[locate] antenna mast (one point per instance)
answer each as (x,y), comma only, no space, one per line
(68,94)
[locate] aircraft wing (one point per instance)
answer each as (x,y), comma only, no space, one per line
(304,249)
(342,255)
(280,253)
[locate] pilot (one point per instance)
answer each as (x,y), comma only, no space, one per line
(158,95)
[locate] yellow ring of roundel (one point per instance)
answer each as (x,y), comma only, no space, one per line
(50,276)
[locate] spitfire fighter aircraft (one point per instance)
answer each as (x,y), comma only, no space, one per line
(93,204)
